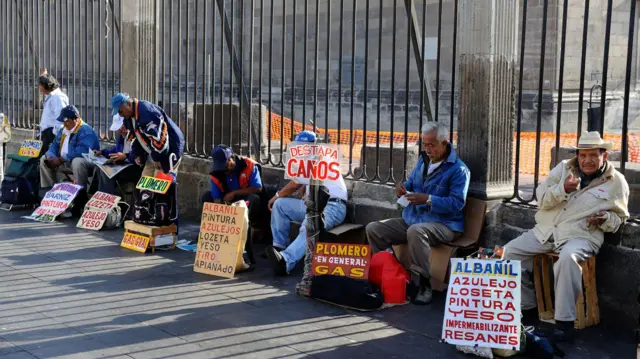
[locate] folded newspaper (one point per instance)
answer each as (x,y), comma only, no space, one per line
(106,165)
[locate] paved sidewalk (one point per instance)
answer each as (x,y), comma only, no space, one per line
(71,293)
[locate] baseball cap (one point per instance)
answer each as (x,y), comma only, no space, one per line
(220,154)
(118,100)
(306,136)
(117,123)
(68,112)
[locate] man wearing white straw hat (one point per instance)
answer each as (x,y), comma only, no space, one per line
(119,154)
(580,200)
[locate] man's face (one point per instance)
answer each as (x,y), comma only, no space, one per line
(590,161)
(126,111)
(231,165)
(435,149)
(69,124)
(122,130)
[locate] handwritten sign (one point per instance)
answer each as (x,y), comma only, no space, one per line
(135,242)
(153,184)
(223,232)
(55,202)
(30,148)
(483,304)
(312,161)
(351,260)
(96,211)
(5,131)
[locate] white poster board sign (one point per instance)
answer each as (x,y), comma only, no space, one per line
(483,304)
(55,202)
(96,211)
(312,161)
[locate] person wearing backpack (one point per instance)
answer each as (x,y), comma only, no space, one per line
(235,178)
(157,136)
(65,153)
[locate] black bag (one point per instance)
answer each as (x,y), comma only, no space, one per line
(19,191)
(155,209)
(77,206)
(345,291)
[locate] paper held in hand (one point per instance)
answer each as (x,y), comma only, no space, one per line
(223,234)
(106,165)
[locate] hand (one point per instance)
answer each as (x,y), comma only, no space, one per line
(597,219)
(157,165)
(400,189)
(139,161)
(55,162)
(417,198)
(571,183)
(118,157)
(271,202)
(228,198)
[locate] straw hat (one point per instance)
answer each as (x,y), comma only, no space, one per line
(591,140)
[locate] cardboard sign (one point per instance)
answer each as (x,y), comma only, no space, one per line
(92,219)
(5,131)
(55,202)
(30,148)
(351,260)
(312,161)
(222,236)
(135,242)
(483,304)
(153,184)
(96,211)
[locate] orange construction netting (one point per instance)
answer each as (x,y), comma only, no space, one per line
(357,138)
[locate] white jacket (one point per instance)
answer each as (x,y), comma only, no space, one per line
(564,216)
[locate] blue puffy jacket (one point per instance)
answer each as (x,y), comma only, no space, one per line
(82,140)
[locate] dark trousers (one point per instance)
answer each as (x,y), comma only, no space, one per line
(254,213)
(47,137)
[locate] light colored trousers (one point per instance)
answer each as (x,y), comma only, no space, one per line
(150,170)
(79,166)
(286,210)
(419,238)
(566,271)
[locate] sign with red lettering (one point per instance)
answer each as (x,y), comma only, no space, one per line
(312,161)
(351,260)
(223,233)
(55,202)
(483,304)
(97,210)
(135,242)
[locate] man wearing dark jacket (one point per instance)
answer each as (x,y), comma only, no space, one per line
(157,136)
(119,154)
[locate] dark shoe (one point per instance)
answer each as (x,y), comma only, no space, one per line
(530,317)
(279,264)
(563,332)
(265,254)
(425,294)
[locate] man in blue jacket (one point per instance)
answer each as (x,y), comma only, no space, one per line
(156,135)
(65,153)
(119,154)
(436,192)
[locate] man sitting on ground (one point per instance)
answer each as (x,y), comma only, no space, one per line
(119,154)
(65,154)
(235,178)
(580,200)
(436,191)
(284,210)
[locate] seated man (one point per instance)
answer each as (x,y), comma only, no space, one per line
(235,178)
(65,153)
(284,210)
(436,191)
(580,200)
(119,154)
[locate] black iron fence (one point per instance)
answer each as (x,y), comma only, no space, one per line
(364,74)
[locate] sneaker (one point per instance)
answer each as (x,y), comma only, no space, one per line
(425,294)
(279,264)
(563,332)
(265,254)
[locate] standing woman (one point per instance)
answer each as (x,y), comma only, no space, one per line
(54,101)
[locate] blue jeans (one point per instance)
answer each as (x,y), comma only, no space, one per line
(286,210)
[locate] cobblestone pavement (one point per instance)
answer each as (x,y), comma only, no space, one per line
(71,293)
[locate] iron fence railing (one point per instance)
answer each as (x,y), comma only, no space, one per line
(364,74)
